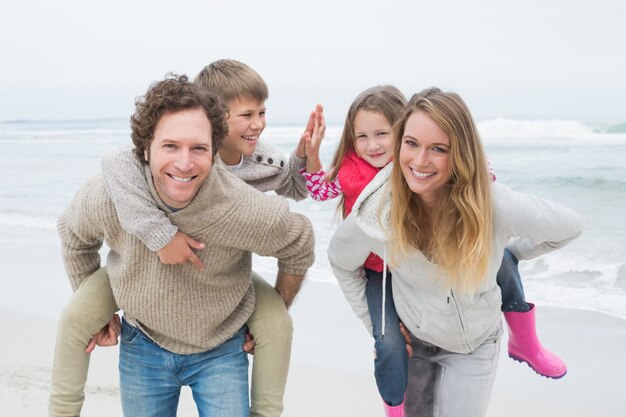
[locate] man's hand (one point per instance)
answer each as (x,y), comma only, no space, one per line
(407,339)
(287,286)
(107,336)
(248,345)
(180,250)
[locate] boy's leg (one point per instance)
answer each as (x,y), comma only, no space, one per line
(464,382)
(88,310)
(510,283)
(391,360)
(148,383)
(272,328)
(219,379)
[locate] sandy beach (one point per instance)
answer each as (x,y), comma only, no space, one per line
(331,372)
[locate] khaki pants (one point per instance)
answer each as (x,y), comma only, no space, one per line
(92,306)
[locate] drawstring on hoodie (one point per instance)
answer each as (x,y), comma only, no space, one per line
(384,288)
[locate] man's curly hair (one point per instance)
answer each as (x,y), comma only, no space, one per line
(173,94)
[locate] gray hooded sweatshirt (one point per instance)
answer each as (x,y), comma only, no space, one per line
(529,226)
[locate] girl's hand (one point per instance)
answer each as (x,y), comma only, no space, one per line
(313,140)
(180,250)
(300,151)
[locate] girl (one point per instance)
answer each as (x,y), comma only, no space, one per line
(365,147)
(442,225)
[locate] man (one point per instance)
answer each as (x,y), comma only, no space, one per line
(183,326)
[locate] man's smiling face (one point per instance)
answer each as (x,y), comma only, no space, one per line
(180,156)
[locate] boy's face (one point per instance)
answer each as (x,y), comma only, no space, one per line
(245,124)
(180,156)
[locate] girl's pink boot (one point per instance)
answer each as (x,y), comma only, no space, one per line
(394,411)
(524,346)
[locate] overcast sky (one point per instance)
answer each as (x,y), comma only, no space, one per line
(534,59)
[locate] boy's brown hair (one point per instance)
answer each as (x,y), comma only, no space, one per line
(231,80)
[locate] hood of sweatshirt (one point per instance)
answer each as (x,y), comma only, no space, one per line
(371,210)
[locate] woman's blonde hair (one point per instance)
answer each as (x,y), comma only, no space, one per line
(460,237)
(386,100)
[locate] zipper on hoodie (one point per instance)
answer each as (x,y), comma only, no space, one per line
(459,315)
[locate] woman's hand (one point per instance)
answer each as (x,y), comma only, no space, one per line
(407,339)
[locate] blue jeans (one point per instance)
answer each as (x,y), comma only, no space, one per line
(391,362)
(510,283)
(151,377)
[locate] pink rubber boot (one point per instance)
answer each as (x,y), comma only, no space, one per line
(524,346)
(394,411)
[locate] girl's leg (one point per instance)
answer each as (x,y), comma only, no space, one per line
(88,310)
(391,361)
(272,328)
(524,345)
(510,283)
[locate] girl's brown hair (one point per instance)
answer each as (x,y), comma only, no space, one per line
(383,99)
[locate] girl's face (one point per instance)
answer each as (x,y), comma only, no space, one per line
(372,138)
(424,158)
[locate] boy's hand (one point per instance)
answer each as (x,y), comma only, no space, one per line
(300,149)
(315,116)
(107,336)
(313,141)
(180,250)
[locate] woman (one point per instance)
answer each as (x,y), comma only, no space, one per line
(435,217)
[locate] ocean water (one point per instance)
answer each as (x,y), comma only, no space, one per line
(582,166)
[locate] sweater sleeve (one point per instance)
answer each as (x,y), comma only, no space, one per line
(537,226)
(263,224)
(318,186)
(126,184)
(347,259)
(292,184)
(81,236)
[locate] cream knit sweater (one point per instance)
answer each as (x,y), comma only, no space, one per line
(266,170)
(180,308)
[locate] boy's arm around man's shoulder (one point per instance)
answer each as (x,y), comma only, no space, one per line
(126,184)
